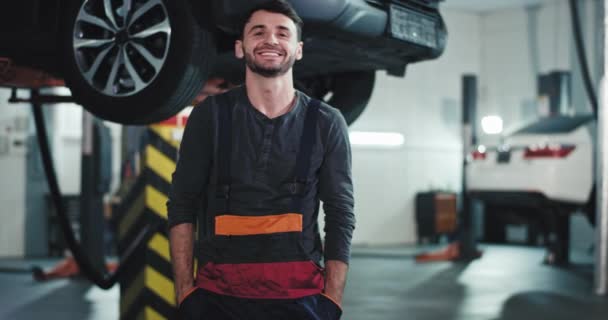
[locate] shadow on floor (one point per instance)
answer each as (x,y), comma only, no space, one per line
(583,271)
(440,297)
(66,302)
(548,305)
(397,289)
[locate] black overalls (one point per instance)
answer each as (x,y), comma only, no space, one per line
(255,266)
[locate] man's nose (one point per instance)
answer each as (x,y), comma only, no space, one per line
(271,39)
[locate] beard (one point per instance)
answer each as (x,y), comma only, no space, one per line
(268,72)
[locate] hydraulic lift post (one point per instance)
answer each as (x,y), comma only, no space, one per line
(91,198)
(468,245)
(601,248)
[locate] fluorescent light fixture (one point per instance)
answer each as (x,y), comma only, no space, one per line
(376,139)
(491,124)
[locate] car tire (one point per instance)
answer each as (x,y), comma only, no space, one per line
(349,91)
(591,207)
(494,227)
(182,56)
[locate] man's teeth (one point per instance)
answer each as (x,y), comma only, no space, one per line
(270,54)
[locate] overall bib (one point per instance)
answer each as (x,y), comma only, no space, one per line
(254,266)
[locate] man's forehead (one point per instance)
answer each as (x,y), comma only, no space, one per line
(270,19)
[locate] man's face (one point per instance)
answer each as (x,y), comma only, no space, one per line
(270,44)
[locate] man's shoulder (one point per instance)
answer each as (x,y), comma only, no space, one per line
(210,105)
(227,98)
(327,113)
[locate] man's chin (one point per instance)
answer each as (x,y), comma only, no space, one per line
(266,73)
(268,70)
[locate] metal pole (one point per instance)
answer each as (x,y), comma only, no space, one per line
(468,249)
(601,255)
(91,205)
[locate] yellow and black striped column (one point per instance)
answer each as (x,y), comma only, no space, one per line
(146,289)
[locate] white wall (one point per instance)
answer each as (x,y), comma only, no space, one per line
(13,117)
(425,107)
(506,48)
(67,137)
(518,44)
(65,134)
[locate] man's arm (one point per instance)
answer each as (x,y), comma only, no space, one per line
(336,192)
(189,180)
(335,279)
(181,239)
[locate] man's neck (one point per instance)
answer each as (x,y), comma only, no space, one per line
(273,97)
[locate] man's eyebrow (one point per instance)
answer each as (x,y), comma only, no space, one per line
(284,28)
(261,26)
(258,26)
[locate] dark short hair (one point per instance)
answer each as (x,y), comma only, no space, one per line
(275,6)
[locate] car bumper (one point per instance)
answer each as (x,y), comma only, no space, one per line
(556,182)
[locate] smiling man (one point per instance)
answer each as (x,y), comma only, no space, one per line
(254,163)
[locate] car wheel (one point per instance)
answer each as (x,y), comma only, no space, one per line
(349,91)
(590,207)
(134,62)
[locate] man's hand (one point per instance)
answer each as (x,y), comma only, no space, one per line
(212,87)
(183,293)
(335,279)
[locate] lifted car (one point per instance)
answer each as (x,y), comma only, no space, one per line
(539,175)
(141,61)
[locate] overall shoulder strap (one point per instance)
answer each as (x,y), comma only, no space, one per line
(224,178)
(303,159)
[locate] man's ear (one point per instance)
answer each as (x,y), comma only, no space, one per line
(299,51)
(238,49)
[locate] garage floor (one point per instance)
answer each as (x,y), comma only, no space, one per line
(508,283)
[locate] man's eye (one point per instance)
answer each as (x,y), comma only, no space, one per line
(285,35)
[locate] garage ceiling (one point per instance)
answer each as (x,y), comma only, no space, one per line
(490,5)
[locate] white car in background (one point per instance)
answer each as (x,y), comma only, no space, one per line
(537,176)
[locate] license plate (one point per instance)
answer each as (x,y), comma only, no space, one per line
(503,156)
(408,25)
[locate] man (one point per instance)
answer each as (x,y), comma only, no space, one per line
(256,161)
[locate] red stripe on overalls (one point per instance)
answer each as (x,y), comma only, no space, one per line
(276,280)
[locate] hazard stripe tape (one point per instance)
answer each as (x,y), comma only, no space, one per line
(145,257)
(130,293)
(159,264)
(152,179)
(147,290)
(156,201)
(132,215)
(150,314)
(163,146)
(166,134)
(148,299)
(160,164)
(150,198)
(160,245)
(152,280)
(161,285)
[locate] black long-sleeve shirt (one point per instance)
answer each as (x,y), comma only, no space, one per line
(263,161)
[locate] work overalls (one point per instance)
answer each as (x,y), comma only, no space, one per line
(255,266)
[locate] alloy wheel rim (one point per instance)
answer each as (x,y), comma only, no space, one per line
(120,46)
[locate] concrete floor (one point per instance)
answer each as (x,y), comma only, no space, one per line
(507,283)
